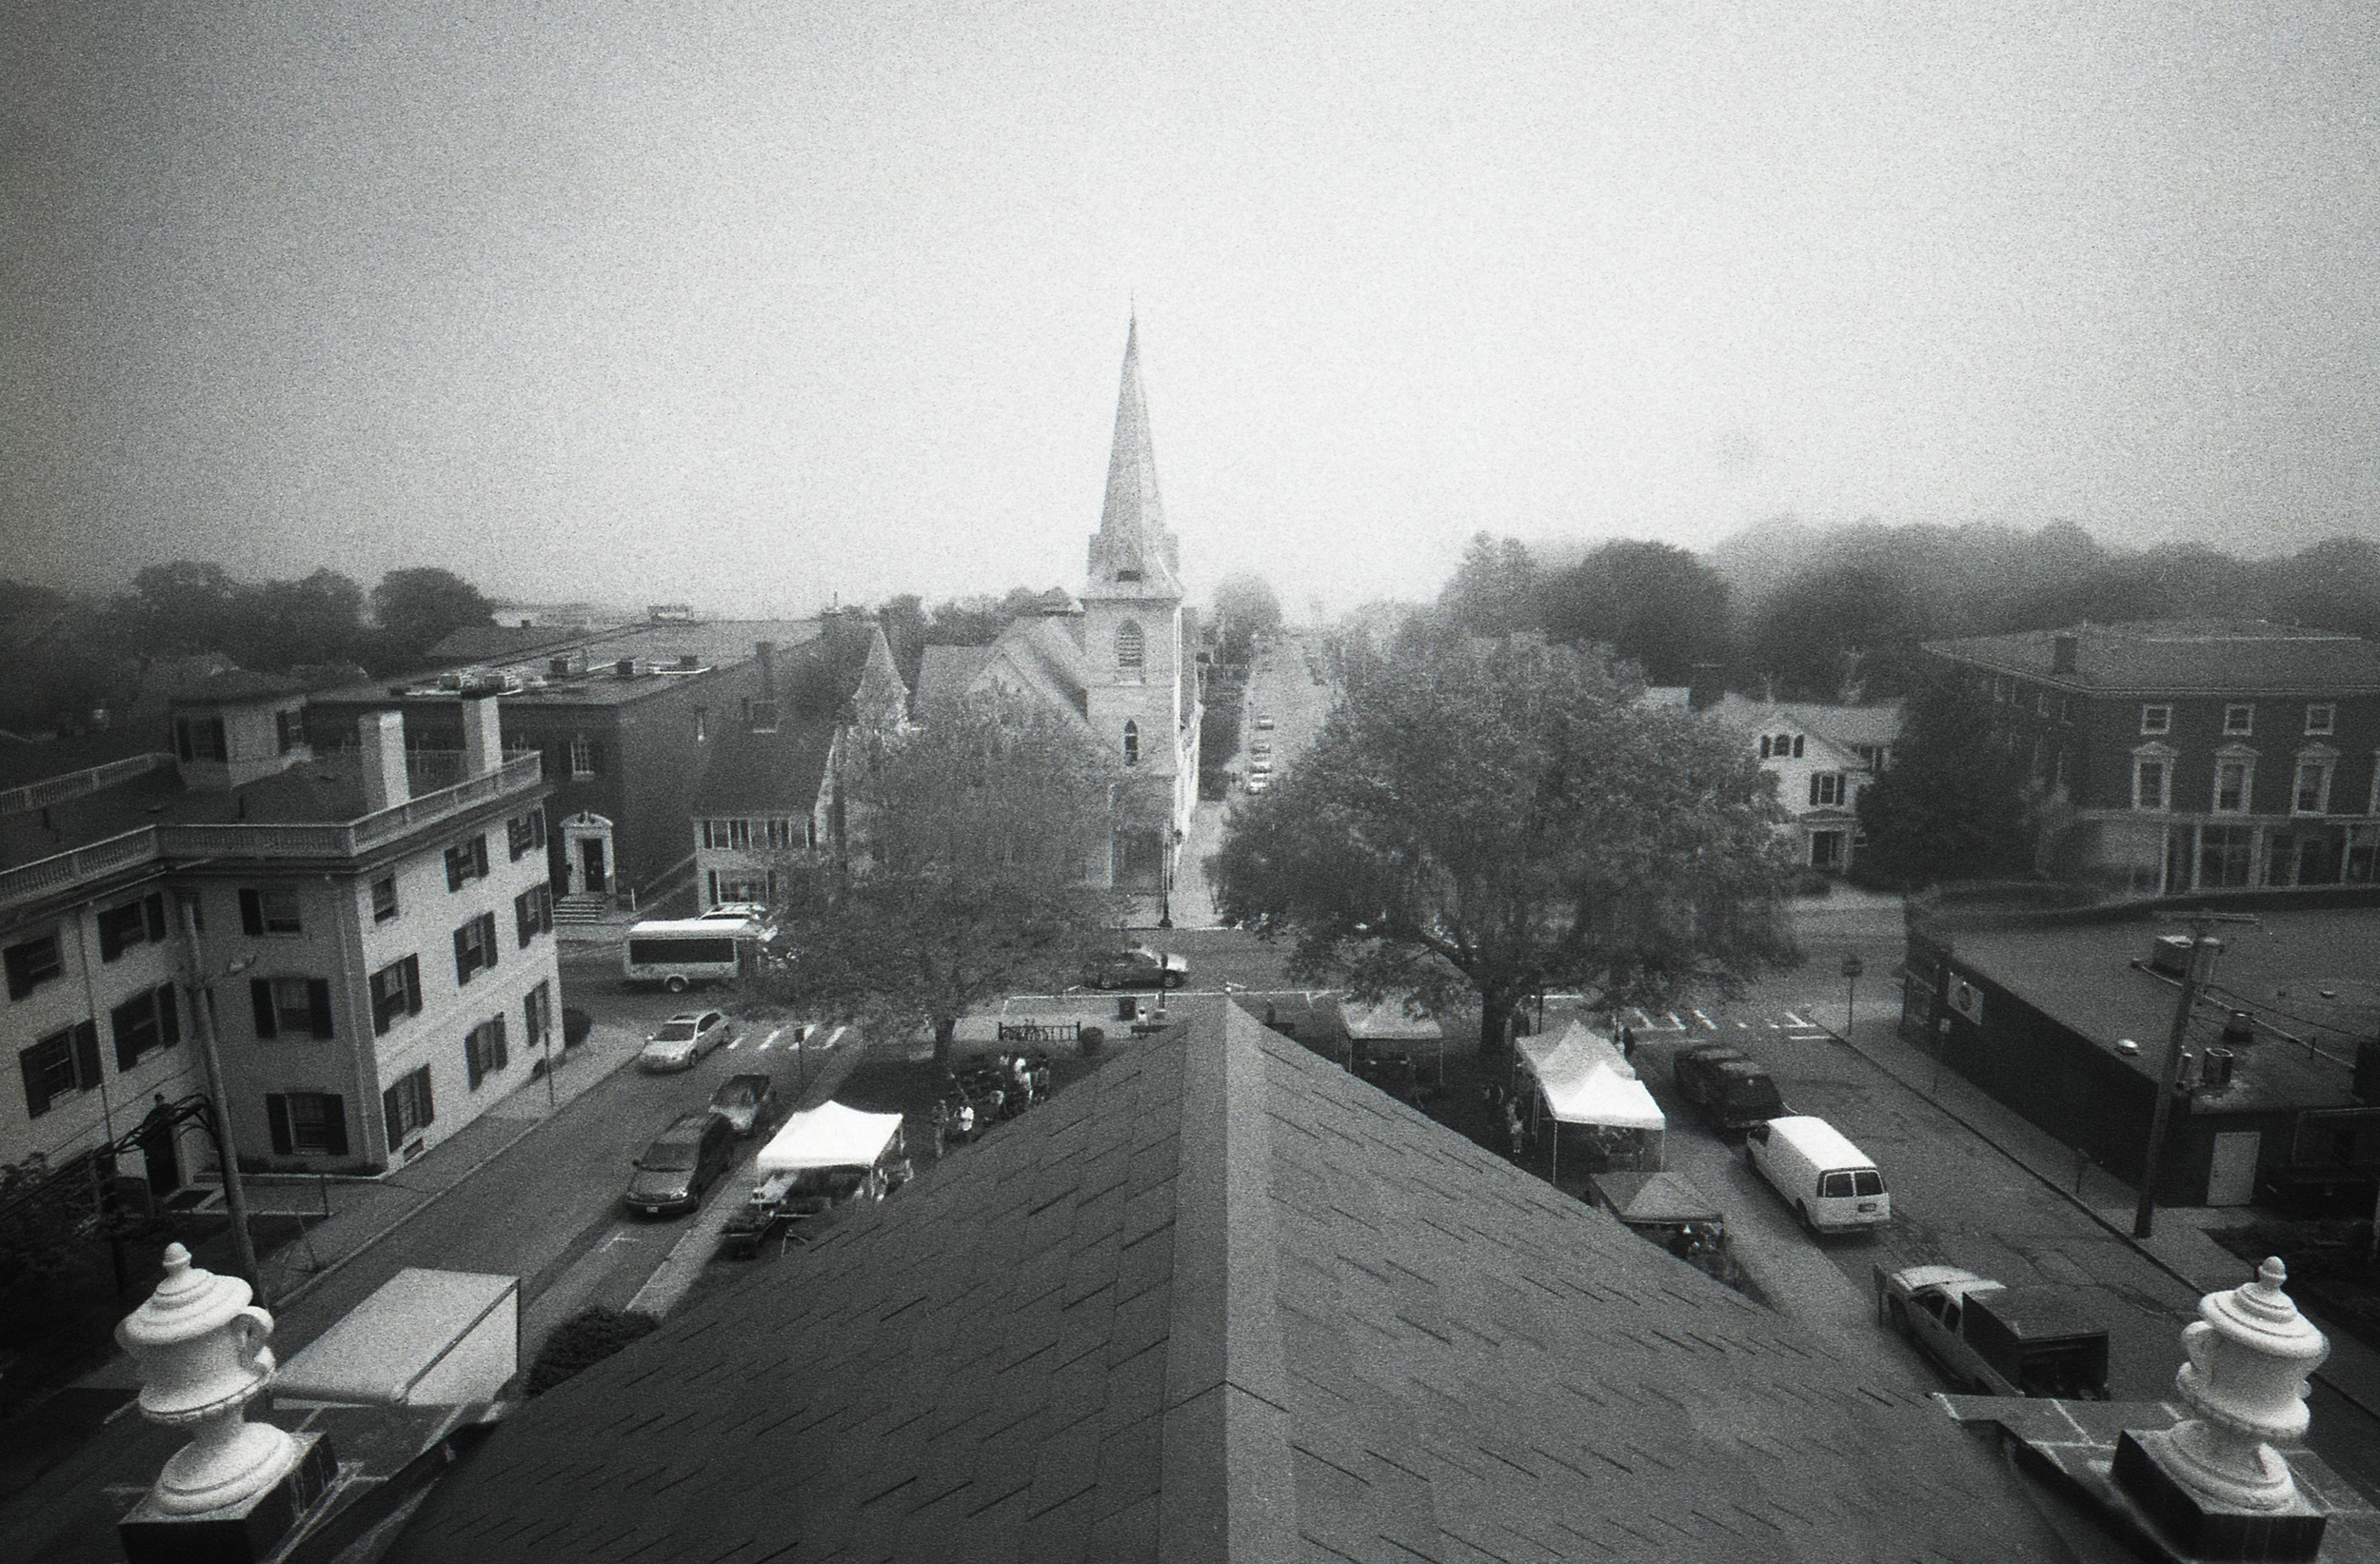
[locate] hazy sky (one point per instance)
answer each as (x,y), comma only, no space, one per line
(746,305)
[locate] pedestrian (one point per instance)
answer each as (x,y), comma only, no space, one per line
(1628,1043)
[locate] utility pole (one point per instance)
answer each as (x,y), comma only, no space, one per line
(2169,1079)
(234,1195)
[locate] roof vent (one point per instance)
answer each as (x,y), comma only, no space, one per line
(2063,651)
(625,667)
(2171,954)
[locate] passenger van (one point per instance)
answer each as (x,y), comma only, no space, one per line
(1831,1184)
(680,953)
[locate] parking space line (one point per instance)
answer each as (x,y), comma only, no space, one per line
(771,1039)
(1706,1021)
(1674,1024)
(1798,1021)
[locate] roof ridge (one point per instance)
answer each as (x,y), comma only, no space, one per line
(1228,1489)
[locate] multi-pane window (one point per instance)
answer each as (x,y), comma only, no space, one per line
(194,904)
(146,1024)
(406,1107)
(383,899)
(2232,782)
(2322,717)
(66,1061)
(2156,719)
(199,738)
(133,923)
(782,832)
(533,912)
(2239,718)
(1132,743)
(537,1012)
(1825,787)
(2152,783)
(2312,795)
(31,964)
(396,991)
(291,1007)
(269,912)
(308,1123)
(484,1050)
(475,946)
(582,756)
(525,834)
(2223,856)
(466,862)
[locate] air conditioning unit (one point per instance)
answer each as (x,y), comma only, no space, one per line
(2171,954)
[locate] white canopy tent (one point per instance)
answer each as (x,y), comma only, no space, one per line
(829,1135)
(1582,1079)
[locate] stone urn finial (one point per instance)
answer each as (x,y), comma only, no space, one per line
(200,1344)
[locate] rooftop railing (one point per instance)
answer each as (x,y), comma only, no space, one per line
(262,840)
(19,800)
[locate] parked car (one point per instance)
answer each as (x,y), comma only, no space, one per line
(1259,748)
(1135,966)
(1258,783)
(684,1160)
(1732,1091)
(1259,765)
(749,1102)
(1993,1339)
(1264,720)
(684,1038)
(740,912)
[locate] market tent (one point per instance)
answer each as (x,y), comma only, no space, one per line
(1585,1081)
(1654,1198)
(829,1135)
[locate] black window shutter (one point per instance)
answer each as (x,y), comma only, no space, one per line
(251,913)
(479,855)
(87,1055)
(462,954)
(168,1016)
(111,937)
(429,1107)
(36,1082)
(277,1115)
(122,1022)
(1813,790)
(470,1059)
(334,1125)
(20,980)
(318,1006)
(413,985)
(390,1117)
(454,869)
(503,1059)
(488,936)
(155,908)
(260,995)
(521,918)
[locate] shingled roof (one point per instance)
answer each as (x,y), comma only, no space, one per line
(1220,1300)
(2180,658)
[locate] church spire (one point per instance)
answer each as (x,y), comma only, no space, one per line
(1132,535)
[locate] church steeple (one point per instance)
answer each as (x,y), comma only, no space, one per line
(1132,544)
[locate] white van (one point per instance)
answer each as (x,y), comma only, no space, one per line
(1831,1184)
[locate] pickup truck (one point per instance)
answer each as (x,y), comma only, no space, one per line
(1731,1090)
(1991,1339)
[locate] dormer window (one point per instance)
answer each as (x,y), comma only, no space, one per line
(1131,645)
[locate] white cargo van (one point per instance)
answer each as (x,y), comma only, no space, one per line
(1831,1184)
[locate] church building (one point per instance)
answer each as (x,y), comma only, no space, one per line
(1123,667)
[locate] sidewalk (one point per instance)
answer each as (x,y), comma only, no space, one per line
(2179,1246)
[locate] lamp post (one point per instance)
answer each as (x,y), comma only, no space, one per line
(1165,882)
(1853,967)
(203,1014)
(2169,1081)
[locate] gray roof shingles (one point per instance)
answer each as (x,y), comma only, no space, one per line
(1220,1300)
(2181,656)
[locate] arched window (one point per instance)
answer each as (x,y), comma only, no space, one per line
(1132,743)
(1131,645)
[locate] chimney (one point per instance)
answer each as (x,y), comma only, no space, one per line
(1706,688)
(483,735)
(381,737)
(2063,651)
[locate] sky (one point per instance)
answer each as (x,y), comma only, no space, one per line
(757,306)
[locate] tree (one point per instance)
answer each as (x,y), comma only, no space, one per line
(1245,611)
(1839,632)
(1494,590)
(1953,805)
(1654,603)
(281,624)
(975,840)
(183,608)
(1499,819)
(423,605)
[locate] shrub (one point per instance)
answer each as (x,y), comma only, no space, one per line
(584,1340)
(1092,1039)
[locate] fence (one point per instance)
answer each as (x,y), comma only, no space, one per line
(1040,1031)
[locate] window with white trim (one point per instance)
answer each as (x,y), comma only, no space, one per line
(2234,785)
(406,1107)
(484,1052)
(582,756)
(2322,717)
(383,899)
(2239,719)
(2310,794)
(1826,788)
(2153,782)
(396,992)
(2156,719)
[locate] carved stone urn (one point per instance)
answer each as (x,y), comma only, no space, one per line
(200,1344)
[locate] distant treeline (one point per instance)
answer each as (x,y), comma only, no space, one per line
(69,655)
(1826,613)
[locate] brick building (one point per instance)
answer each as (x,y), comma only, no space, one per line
(2177,757)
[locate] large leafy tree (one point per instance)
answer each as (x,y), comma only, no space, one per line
(1494,590)
(975,843)
(1953,805)
(1840,630)
(1491,820)
(420,606)
(1654,603)
(1245,610)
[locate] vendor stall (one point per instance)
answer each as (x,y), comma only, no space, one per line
(819,1159)
(1590,1093)
(1668,1208)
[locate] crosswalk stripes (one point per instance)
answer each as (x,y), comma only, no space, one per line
(1791,1026)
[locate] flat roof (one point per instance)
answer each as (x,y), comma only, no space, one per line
(715,643)
(2308,977)
(389,1340)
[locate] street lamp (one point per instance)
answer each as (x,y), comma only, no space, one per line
(1165,882)
(227,1147)
(1853,967)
